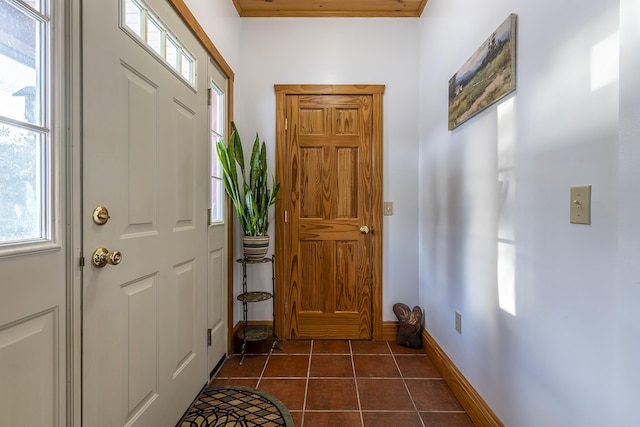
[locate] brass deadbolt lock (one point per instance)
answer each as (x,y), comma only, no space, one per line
(100,215)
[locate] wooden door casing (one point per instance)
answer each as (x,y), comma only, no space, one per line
(329,146)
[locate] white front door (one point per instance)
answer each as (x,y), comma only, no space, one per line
(33,215)
(217,309)
(145,160)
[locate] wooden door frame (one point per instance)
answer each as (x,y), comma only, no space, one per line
(376,91)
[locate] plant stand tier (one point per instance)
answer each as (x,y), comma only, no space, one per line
(256,261)
(254,296)
(255,333)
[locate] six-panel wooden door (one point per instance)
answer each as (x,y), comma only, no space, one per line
(329,219)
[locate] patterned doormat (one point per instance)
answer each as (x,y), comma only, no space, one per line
(235,406)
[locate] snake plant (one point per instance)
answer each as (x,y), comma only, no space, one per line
(251,197)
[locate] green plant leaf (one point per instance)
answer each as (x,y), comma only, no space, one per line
(251,197)
(236,143)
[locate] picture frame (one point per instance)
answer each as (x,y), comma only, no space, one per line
(486,77)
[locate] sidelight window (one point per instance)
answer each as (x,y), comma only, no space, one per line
(25,134)
(217,118)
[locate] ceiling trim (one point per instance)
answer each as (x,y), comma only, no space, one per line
(329,8)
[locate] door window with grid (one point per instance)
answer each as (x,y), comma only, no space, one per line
(25,135)
(218,121)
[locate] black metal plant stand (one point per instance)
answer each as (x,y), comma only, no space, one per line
(256,332)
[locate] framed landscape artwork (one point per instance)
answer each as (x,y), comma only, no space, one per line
(490,74)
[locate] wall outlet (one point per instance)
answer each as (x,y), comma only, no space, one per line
(459,322)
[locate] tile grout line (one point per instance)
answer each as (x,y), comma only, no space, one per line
(377,411)
(355,381)
(264,368)
(404,382)
(306,385)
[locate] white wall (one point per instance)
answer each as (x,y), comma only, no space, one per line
(222,24)
(627,328)
(344,51)
(554,360)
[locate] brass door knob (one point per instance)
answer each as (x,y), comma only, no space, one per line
(102,257)
(364,229)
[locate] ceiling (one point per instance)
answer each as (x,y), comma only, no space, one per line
(329,8)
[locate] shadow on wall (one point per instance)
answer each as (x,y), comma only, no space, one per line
(456,222)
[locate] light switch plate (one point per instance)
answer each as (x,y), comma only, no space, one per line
(458,322)
(580,209)
(387,208)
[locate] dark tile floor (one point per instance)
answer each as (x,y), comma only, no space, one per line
(346,383)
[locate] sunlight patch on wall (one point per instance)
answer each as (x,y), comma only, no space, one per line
(506,277)
(506,247)
(605,62)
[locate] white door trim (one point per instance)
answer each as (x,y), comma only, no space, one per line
(73,184)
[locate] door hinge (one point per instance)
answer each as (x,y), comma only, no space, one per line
(286,216)
(286,124)
(209,95)
(209,337)
(208,216)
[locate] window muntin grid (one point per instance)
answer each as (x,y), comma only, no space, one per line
(25,132)
(217,118)
(146,27)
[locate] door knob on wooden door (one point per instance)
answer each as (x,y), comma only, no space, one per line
(364,229)
(102,257)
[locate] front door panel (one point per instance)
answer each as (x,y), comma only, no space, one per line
(145,160)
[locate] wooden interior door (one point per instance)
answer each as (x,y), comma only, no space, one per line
(330,199)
